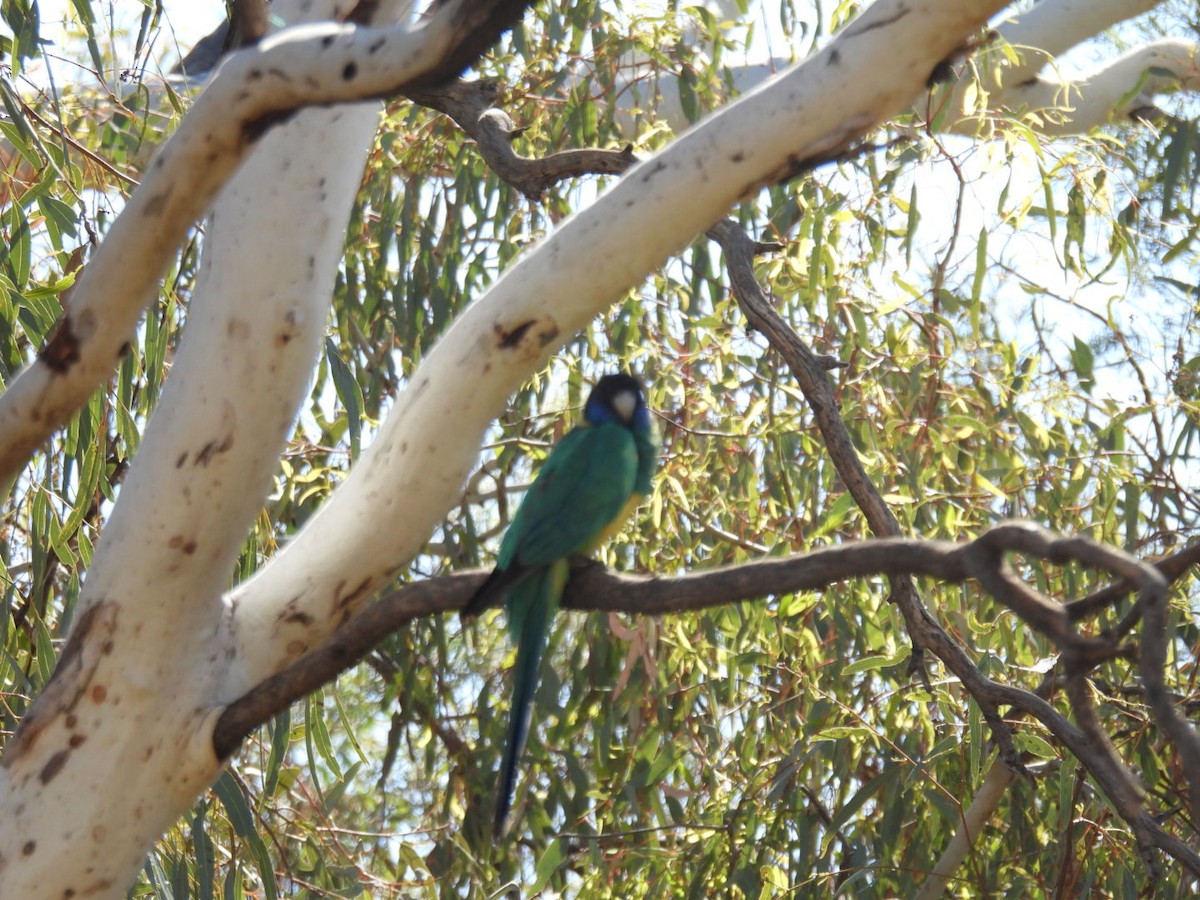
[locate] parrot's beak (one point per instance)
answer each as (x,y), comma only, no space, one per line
(625,403)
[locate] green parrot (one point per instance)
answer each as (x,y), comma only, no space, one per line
(593,479)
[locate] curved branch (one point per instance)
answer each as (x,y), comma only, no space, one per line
(592,587)
(1020,76)
(1056,26)
(471,104)
(985,563)
(1125,87)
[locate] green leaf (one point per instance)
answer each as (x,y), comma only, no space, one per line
(348,392)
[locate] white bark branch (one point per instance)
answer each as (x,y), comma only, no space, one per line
(1064,106)
(1127,85)
(974,820)
(1056,26)
(255,88)
(120,742)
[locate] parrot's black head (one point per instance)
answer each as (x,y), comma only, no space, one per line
(618,398)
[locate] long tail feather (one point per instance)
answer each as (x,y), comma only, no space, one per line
(531,606)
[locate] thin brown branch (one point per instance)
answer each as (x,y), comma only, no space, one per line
(248,24)
(595,588)
(76,145)
(1173,567)
(1089,743)
(811,375)
(346,647)
(471,104)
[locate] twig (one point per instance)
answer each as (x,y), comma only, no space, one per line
(471,104)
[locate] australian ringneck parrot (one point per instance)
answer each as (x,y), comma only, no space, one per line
(592,480)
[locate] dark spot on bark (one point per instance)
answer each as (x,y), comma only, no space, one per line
(350,71)
(76,740)
(404,446)
(213,448)
(376,47)
(653,170)
(54,766)
(510,339)
(182,459)
(107,648)
(835,58)
(254,129)
(737,157)
(363,12)
(99,693)
(547,335)
(346,601)
(29,847)
(297,617)
(156,204)
(189,548)
(255,75)
(62,350)
(860,28)
(326,41)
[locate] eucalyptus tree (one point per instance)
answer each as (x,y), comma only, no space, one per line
(200,534)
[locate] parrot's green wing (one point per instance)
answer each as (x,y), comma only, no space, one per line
(592,478)
(580,490)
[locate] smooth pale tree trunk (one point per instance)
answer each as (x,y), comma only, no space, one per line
(119,745)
